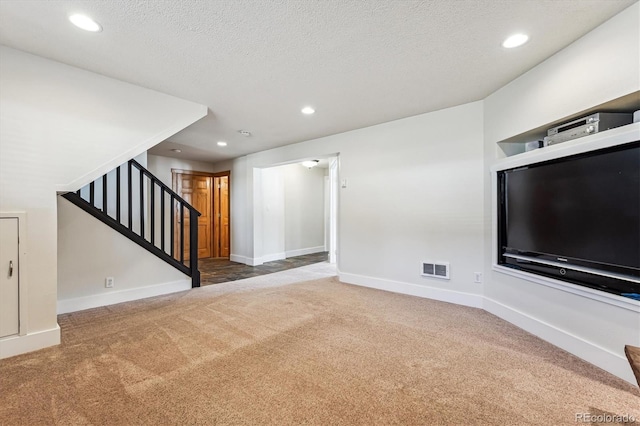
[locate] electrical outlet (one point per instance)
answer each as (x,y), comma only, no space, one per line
(108,282)
(477,277)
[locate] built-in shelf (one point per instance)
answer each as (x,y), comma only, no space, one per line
(593,142)
(516,144)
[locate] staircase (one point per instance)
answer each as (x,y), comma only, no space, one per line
(132,201)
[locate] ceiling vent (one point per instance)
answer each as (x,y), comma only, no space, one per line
(435,269)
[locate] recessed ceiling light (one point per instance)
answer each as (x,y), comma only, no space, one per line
(515,41)
(310,163)
(244,133)
(86,23)
(177,150)
(308,110)
(222,143)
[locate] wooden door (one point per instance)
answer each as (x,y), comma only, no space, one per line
(9,286)
(196,190)
(215,224)
(221,235)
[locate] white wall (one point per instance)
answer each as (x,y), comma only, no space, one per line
(89,251)
(290,212)
(574,79)
(571,81)
(303,209)
(92,123)
(414,193)
(294,192)
(61,127)
(419,189)
(271,222)
(161,167)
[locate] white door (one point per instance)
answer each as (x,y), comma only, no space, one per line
(9,301)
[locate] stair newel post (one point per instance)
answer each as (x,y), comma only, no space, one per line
(193,247)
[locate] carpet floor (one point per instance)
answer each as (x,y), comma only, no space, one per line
(315,352)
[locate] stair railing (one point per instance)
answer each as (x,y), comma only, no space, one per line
(137,204)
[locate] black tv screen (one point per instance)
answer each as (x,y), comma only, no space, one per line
(581,210)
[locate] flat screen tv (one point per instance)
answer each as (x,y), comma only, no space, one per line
(575,218)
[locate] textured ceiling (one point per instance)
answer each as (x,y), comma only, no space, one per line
(256,63)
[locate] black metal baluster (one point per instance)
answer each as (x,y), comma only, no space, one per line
(104,194)
(152,225)
(130,197)
(173,232)
(181,233)
(118,194)
(141,204)
(187,262)
(162,218)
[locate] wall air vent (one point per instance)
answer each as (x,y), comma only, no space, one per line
(435,269)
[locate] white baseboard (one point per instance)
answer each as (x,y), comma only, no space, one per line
(105,299)
(255,261)
(260,260)
(302,252)
(251,261)
(16,345)
(271,257)
(451,296)
(613,363)
(241,259)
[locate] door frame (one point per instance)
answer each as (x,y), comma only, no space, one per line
(227,173)
(22,266)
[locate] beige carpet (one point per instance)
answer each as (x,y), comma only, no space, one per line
(317,352)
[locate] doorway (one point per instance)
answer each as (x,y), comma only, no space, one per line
(209,193)
(294,214)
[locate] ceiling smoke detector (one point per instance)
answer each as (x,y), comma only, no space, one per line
(178,151)
(244,133)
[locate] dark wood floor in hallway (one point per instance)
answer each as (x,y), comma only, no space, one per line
(216,271)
